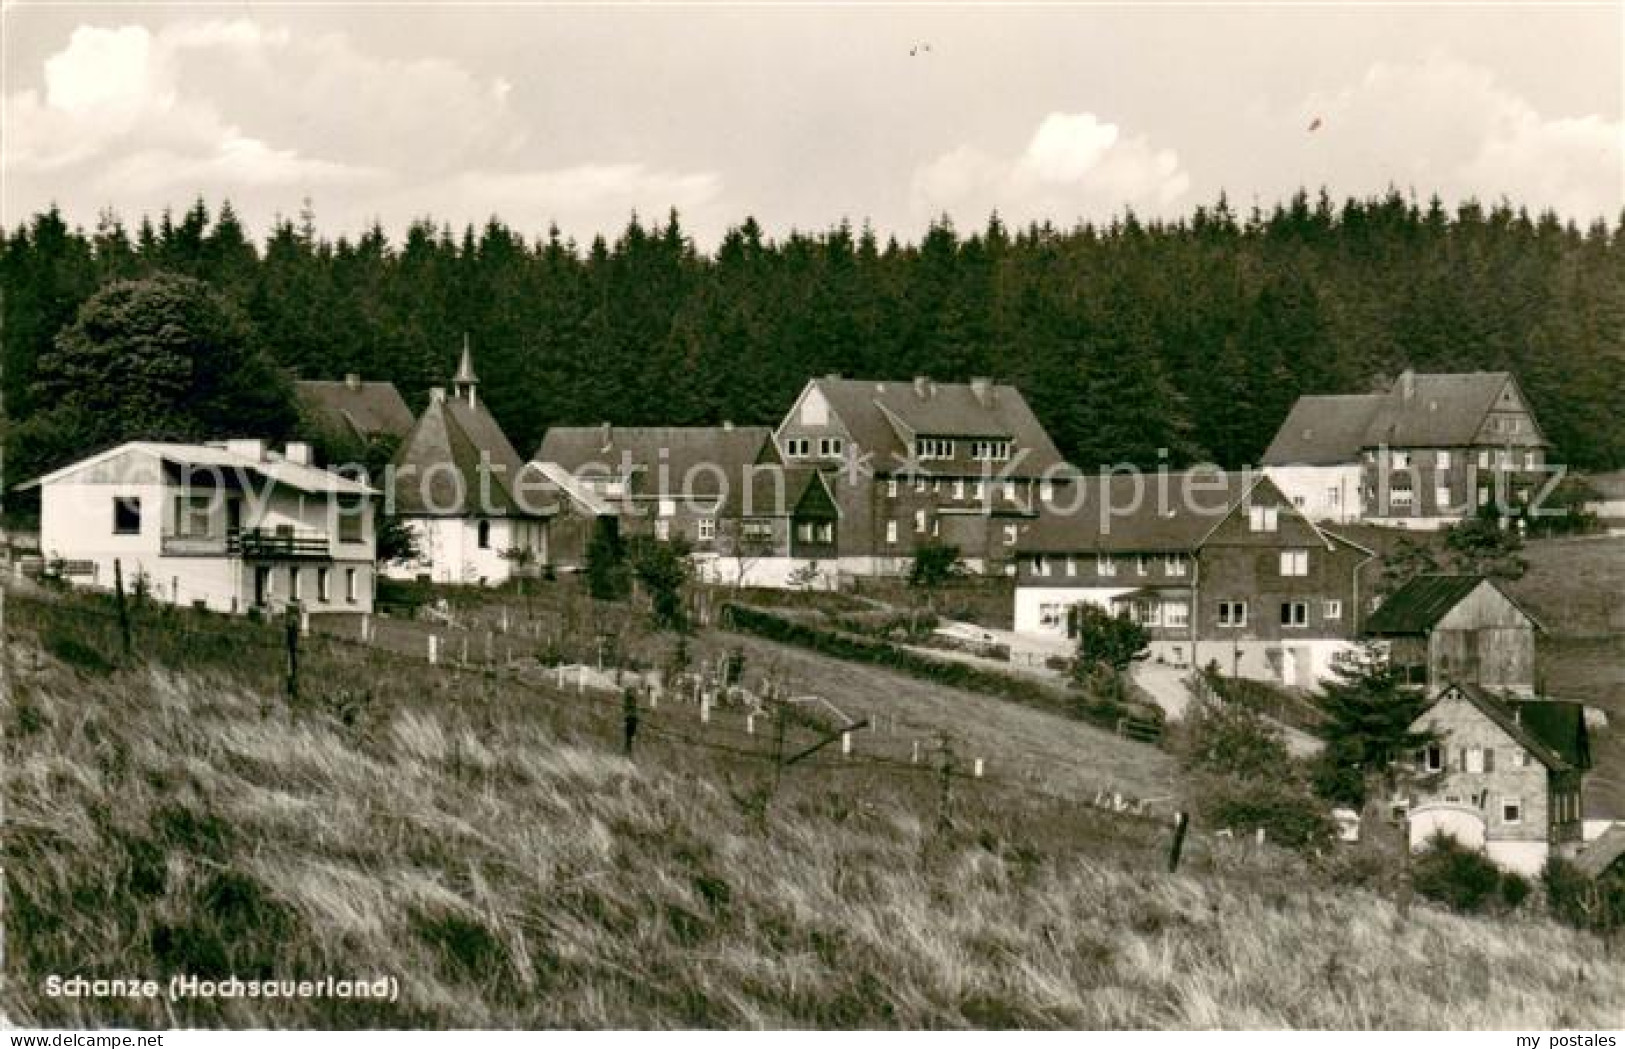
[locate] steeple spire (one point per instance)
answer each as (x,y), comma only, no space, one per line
(464,382)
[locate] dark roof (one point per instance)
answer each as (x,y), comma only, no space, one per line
(1417,607)
(664,461)
(1323,430)
(1138,512)
(883,418)
(358,409)
(450,430)
(773,491)
(1602,853)
(1555,733)
(1440,410)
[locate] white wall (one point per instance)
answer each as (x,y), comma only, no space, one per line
(770,572)
(451,553)
(1031,599)
(1299,663)
(1328,493)
(1524,857)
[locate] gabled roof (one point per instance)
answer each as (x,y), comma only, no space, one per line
(583,495)
(1324,430)
(775,491)
(216,456)
(355,408)
(1139,513)
(1552,730)
(450,430)
(1419,605)
(663,461)
(1420,410)
(884,417)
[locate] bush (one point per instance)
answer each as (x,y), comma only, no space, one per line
(1574,899)
(1231,740)
(74,652)
(1465,881)
(1281,807)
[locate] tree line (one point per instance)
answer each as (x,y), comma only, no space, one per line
(1128,338)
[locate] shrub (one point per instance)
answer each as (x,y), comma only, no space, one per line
(1226,739)
(76,653)
(1281,807)
(1465,881)
(1574,899)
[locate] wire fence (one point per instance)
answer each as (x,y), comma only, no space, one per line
(694,712)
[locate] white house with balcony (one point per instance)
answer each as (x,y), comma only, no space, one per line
(227,526)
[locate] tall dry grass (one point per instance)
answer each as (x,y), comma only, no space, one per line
(487,847)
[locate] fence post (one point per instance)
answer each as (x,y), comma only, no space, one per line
(705,708)
(846,744)
(123,611)
(434,649)
(750,724)
(945,797)
(978,769)
(914,754)
(1182,823)
(304,621)
(629,717)
(463,657)
(292,631)
(366,629)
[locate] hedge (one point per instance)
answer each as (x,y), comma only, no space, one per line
(859,648)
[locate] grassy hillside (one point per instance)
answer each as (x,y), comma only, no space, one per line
(479,839)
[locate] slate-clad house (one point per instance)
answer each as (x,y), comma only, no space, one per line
(1505,776)
(228,526)
(1457,629)
(1424,454)
(917,462)
(779,529)
(352,412)
(1219,567)
(462,488)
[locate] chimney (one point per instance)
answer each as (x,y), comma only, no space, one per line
(833,376)
(1407,384)
(728,425)
(437,395)
(922,386)
(982,387)
(247,447)
(352,380)
(606,434)
(297,452)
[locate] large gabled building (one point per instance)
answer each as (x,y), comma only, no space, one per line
(920,462)
(1441,629)
(1423,454)
(1219,568)
(352,413)
(475,506)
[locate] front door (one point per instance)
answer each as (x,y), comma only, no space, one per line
(262,585)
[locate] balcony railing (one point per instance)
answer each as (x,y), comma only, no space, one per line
(254,544)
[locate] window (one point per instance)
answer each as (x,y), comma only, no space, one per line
(322,593)
(891,487)
(192,516)
(919,520)
(756,530)
(1483,459)
(662,530)
(1443,460)
(296,590)
(1263,518)
(891,531)
(1399,460)
(1142,565)
(1294,562)
(1441,497)
(352,514)
(1176,614)
(1046,491)
(485,535)
(1334,497)
(1051,614)
(798,447)
(1398,497)
(1299,501)
(1232,613)
(919,485)
(1071,566)
(1520,758)
(1174,564)
(1294,614)
(933,448)
(1332,609)
(831,447)
(1483,494)
(1009,491)
(1511,810)
(1104,565)
(126,515)
(1040,565)
(989,451)
(1009,535)
(959,488)
(1433,758)
(1473,760)
(706,529)
(1531,460)
(976,491)
(349,585)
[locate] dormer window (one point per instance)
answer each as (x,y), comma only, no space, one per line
(831,447)
(798,447)
(990,451)
(933,448)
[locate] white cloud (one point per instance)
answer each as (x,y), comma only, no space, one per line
(1074,166)
(138,120)
(1443,126)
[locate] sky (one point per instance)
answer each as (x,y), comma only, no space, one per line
(801,115)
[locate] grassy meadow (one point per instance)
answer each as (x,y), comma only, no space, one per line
(479,837)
